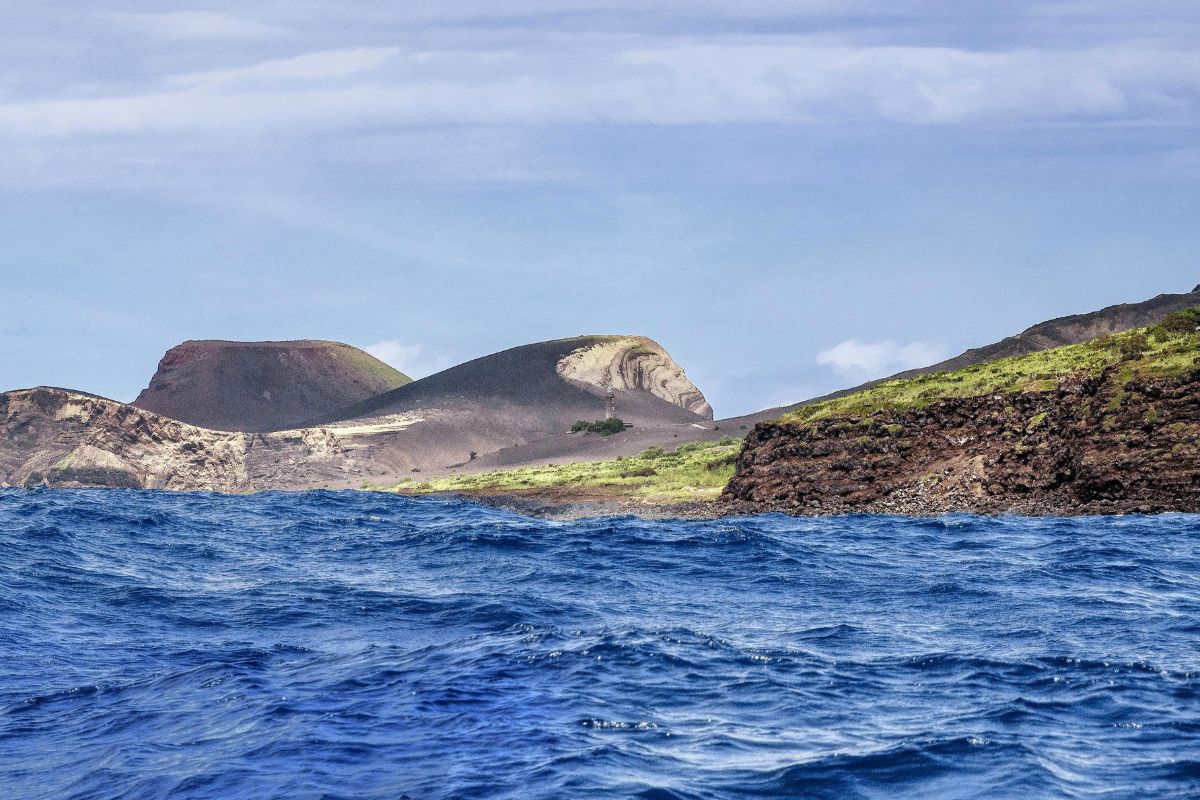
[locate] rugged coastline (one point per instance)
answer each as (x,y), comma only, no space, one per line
(1106,426)
(1119,438)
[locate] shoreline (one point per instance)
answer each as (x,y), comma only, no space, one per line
(563,507)
(566,506)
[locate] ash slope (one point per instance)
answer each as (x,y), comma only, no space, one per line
(551,384)
(521,401)
(262,386)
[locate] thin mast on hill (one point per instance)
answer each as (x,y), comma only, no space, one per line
(610,409)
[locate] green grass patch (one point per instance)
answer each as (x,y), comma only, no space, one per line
(66,461)
(1164,350)
(692,471)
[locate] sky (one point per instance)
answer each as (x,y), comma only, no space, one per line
(791,197)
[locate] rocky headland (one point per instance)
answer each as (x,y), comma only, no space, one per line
(1112,426)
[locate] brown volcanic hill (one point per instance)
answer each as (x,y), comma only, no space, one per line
(262,386)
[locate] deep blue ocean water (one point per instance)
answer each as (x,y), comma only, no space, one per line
(360,645)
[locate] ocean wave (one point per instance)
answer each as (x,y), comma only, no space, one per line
(356,644)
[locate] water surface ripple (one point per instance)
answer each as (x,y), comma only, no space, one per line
(358,645)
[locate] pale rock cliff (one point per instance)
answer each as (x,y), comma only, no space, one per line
(57,437)
(634,363)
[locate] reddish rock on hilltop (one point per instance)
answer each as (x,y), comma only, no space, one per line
(263,386)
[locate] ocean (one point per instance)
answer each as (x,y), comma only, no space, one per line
(361,645)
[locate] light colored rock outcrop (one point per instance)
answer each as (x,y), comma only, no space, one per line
(634,363)
(60,438)
(57,437)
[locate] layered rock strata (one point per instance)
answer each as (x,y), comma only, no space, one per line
(1094,445)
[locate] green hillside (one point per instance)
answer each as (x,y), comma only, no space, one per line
(692,471)
(1171,347)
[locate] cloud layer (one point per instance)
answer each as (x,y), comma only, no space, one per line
(795,82)
(215,87)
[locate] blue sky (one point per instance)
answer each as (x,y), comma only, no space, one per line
(790,196)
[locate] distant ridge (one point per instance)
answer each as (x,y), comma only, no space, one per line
(262,386)
(1071,329)
(239,416)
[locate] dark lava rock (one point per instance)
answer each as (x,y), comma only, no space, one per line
(1090,446)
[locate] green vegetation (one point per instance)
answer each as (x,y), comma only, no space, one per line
(1185,321)
(700,470)
(366,363)
(692,471)
(604,427)
(1167,349)
(66,461)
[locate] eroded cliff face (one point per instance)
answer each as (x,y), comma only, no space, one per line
(1092,446)
(56,437)
(634,363)
(60,438)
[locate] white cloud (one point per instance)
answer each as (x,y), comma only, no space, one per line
(386,82)
(195,24)
(308,67)
(411,359)
(868,360)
